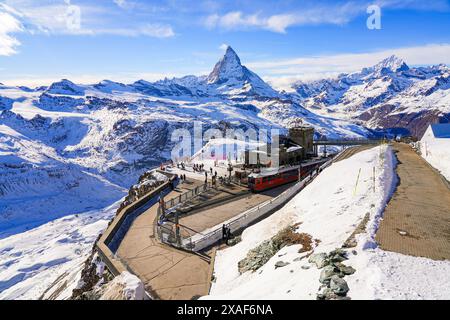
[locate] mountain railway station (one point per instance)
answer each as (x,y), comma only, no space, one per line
(171,244)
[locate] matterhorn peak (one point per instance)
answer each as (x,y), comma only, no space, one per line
(231,54)
(229,67)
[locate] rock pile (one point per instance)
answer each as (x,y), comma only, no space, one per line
(259,256)
(148,181)
(234,240)
(93,276)
(334,287)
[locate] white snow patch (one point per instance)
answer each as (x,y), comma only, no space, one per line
(125,286)
(31,261)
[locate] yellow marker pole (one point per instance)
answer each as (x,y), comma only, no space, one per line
(357,180)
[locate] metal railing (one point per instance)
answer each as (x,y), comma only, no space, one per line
(201,241)
(172,203)
(348,142)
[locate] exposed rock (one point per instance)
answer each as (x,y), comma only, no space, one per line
(257,257)
(260,255)
(325,294)
(337,255)
(350,243)
(319,259)
(338,285)
(235,240)
(345,270)
(280,264)
(328,294)
(90,276)
(326,274)
(305,267)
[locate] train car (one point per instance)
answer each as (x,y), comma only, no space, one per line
(274,177)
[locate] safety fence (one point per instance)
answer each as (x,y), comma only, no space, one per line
(204,240)
(348,142)
(110,240)
(169,204)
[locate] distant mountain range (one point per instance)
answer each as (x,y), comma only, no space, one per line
(84,145)
(389,96)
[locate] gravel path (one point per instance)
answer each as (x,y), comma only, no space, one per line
(417,219)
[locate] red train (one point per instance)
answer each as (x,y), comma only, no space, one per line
(270,177)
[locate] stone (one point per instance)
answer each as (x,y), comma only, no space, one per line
(305,267)
(337,255)
(319,259)
(338,285)
(343,269)
(346,270)
(327,273)
(234,241)
(280,264)
(350,243)
(325,293)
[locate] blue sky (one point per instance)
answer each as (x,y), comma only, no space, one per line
(125,40)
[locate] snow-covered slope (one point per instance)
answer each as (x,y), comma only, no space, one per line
(328,211)
(31,261)
(389,95)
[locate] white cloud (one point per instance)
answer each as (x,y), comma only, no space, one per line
(124,4)
(280,22)
(157,30)
(281,73)
(149,30)
(33,81)
(56,18)
(121,3)
(223,46)
(8,25)
(312,14)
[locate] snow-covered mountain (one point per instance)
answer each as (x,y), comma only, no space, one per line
(74,150)
(389,96)
(230,75)
(70,148)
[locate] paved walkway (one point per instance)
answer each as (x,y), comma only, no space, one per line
(417,219)
(215,215)
(167,273)
(172,274)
